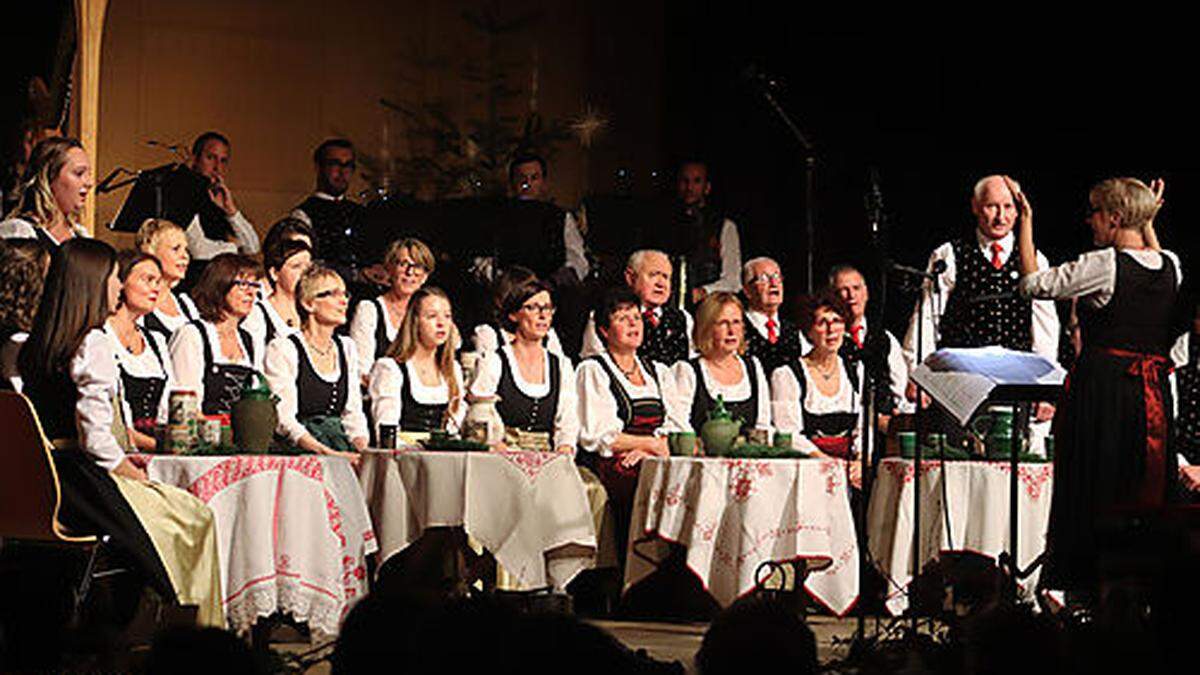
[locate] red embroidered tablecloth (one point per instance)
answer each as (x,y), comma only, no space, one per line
(292,532)
(734,514)
(528,508)
(977,495)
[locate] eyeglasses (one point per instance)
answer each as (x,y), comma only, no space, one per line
(765,278)
(405,266)
(538,309)
(247,284)
(332,293)
(332,163)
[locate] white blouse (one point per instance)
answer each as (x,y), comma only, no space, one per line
(486,340)
(685,391)
(384,386)
(786,408)
(187,356)
(566,417)
(146,364)
(599,424)
(363,327)
(187,308)
(94,372)
(593,344)
(263,311)
(283,371)
(19,228)
(1092,277)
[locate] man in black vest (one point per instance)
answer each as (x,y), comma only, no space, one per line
(878,349)
(977,303)
(772,338)
(218,227)
(335,220)
(667,330)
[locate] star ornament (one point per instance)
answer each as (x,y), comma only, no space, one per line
(588,126)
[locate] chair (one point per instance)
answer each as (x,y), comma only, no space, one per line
(30,496)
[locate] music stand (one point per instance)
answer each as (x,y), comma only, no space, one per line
(965,380)
(171,191)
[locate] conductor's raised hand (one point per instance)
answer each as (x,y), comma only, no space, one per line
(1023,205)
(1158,186)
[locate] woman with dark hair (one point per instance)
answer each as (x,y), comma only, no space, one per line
(488,337)
(142,357)
(213,356)
(72,378)
(622,405)
(418,386)
(276,315)
(722,370)
(23,264)
(53,191)
(409,262)
(536,386)
(1112,424)
(815,398)
(315,372)
(167,242)
(290,229)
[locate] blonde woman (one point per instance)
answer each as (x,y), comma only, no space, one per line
(315,373)
(53,191)
(417,385)
(409,263)
(721,370)
(167,242)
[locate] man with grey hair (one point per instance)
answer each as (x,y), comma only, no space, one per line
(878,349)
(977,303)
(667,337)
(772,338)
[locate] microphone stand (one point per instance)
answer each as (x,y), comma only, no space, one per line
(764,85)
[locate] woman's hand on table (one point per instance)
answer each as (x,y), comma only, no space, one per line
(127,469)
(565,450)
(498,446)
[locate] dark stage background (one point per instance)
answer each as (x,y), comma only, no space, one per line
(932,115)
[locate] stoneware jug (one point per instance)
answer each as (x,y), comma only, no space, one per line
(254,417)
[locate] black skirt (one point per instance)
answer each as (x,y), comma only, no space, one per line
(1101,462)
(93,504)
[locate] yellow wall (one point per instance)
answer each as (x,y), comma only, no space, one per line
(278,77)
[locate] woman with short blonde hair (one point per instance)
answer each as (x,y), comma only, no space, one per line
(167,242)
(409,262)
(721,370)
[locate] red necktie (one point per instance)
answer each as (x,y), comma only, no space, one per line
(772,332)
(856,335)
(650,318)
(996,249)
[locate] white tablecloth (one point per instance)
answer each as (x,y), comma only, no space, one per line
(733,514)
(529,509)
(977,494)
(292,531)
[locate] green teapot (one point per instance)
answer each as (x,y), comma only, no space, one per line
(720,431)
(254,417)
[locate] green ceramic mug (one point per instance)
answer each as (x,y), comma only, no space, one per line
(908,443)
(682,443)
(783,440)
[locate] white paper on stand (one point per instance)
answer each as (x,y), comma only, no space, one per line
(962,379)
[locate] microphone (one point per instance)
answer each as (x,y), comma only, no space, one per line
(874,204)
(939,266)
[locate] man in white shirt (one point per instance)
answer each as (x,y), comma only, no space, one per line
(977,302)
(218,226)
(769,336)
(879,349)
(715,253)
(667,330)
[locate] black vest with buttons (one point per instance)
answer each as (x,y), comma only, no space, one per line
(668,341)
(1188,424)
(521,411)
(785,350)
(224,382)
(143,394)
(336,224)
(639,416)
(985,307)
(314,395)
(153,323)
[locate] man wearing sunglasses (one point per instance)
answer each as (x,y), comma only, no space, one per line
(336,220)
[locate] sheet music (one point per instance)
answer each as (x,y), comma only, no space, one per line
(960,380)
